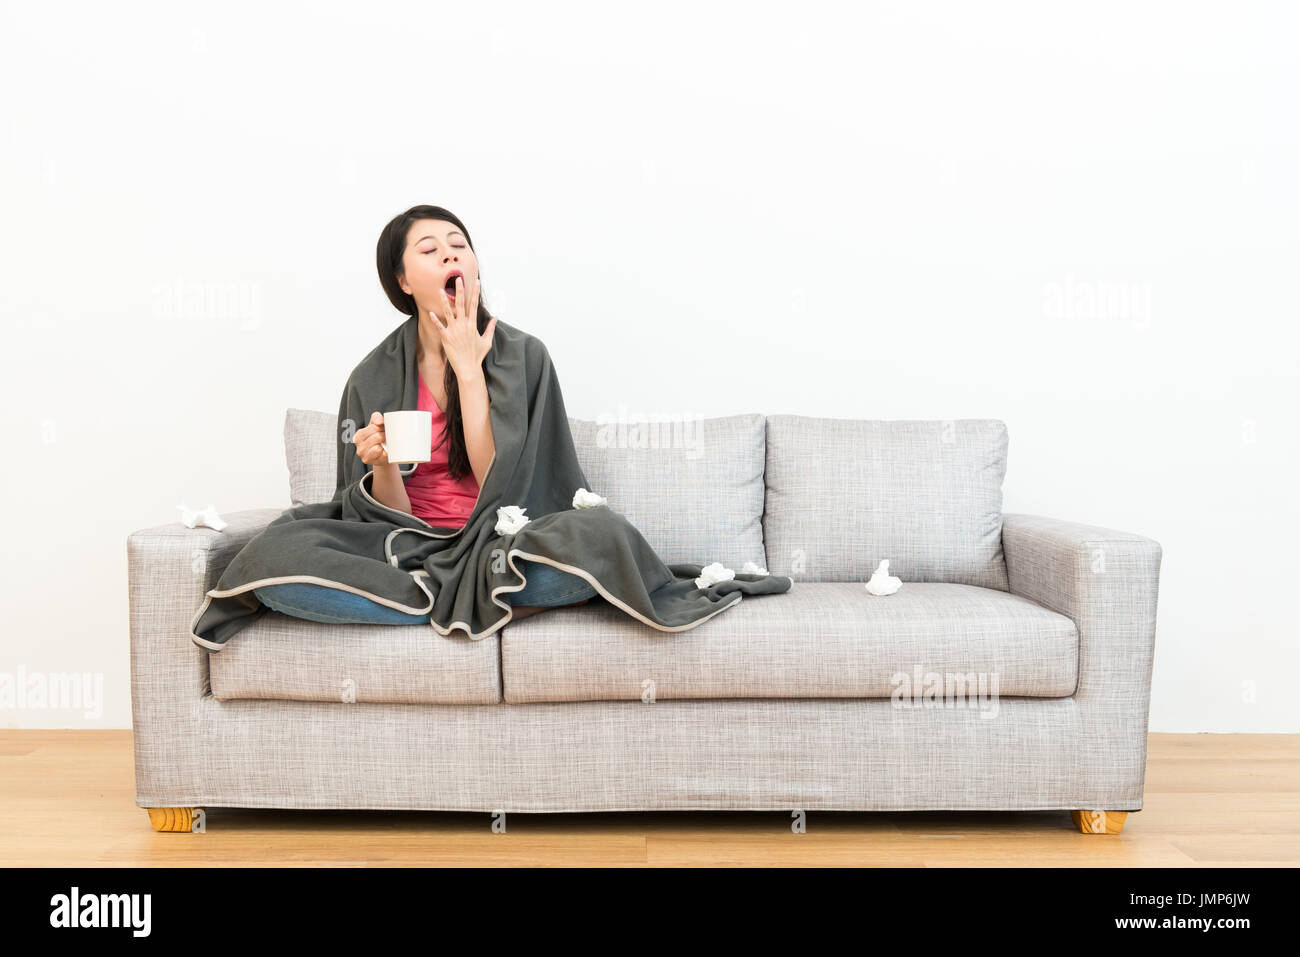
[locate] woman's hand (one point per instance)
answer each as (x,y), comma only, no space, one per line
(370,442)
(387,485)
(458,326)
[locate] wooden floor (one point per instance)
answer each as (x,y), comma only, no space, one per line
(67,798)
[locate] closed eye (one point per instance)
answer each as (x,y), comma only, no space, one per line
(454,246)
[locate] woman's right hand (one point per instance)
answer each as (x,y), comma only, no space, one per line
(369,442)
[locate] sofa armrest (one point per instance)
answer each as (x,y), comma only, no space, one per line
(1107,583)
(169,570)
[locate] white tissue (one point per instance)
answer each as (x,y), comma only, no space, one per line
(883,583)
(510,519)
(751,569)
(192,518)
(713,573)
(584,499)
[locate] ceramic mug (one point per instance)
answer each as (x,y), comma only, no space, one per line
(408,437)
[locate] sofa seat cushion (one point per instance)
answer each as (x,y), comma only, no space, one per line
(282,657)
(819,640)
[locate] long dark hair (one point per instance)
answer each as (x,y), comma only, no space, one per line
(388,257)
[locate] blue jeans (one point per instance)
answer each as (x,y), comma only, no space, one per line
(547,587)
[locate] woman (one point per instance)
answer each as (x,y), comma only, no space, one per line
(427,267)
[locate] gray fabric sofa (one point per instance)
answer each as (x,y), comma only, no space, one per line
(1011,670)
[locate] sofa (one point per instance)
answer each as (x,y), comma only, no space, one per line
(1010,671)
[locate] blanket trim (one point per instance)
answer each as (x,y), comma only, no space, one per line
(463,626)
(374,501)
(302,579)
(609,597)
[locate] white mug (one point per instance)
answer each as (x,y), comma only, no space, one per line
(408,437)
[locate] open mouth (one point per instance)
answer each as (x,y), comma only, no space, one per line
(450,285)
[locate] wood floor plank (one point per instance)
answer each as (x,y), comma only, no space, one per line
(67,798)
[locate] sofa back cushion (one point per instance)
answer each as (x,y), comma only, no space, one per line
(843,494)
(693,489)
(310,453)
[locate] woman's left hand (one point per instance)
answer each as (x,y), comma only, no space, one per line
(462,345)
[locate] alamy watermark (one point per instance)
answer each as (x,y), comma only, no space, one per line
(45,690)
(77,909)
(659,431)
(226,302)
(1090,299)
(931,689)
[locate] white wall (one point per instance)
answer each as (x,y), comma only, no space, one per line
(1078,218)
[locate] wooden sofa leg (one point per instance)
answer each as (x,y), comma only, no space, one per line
(172,818)
(1099,822)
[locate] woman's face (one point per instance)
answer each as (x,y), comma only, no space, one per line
(436,253)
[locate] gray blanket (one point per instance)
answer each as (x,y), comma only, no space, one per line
(461,576)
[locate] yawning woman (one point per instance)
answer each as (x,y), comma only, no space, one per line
(427,267)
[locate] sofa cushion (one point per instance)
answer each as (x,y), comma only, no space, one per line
(819,640)
(697,497)
(843,494)
(282,657)
(311,454)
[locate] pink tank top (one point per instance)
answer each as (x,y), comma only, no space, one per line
(434,496)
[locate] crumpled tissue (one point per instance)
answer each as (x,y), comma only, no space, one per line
(713,573)
(750,568)
(883,583)
(584,499)
(510,519)
(192,518)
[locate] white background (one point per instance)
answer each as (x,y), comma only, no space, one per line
(1081,219)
